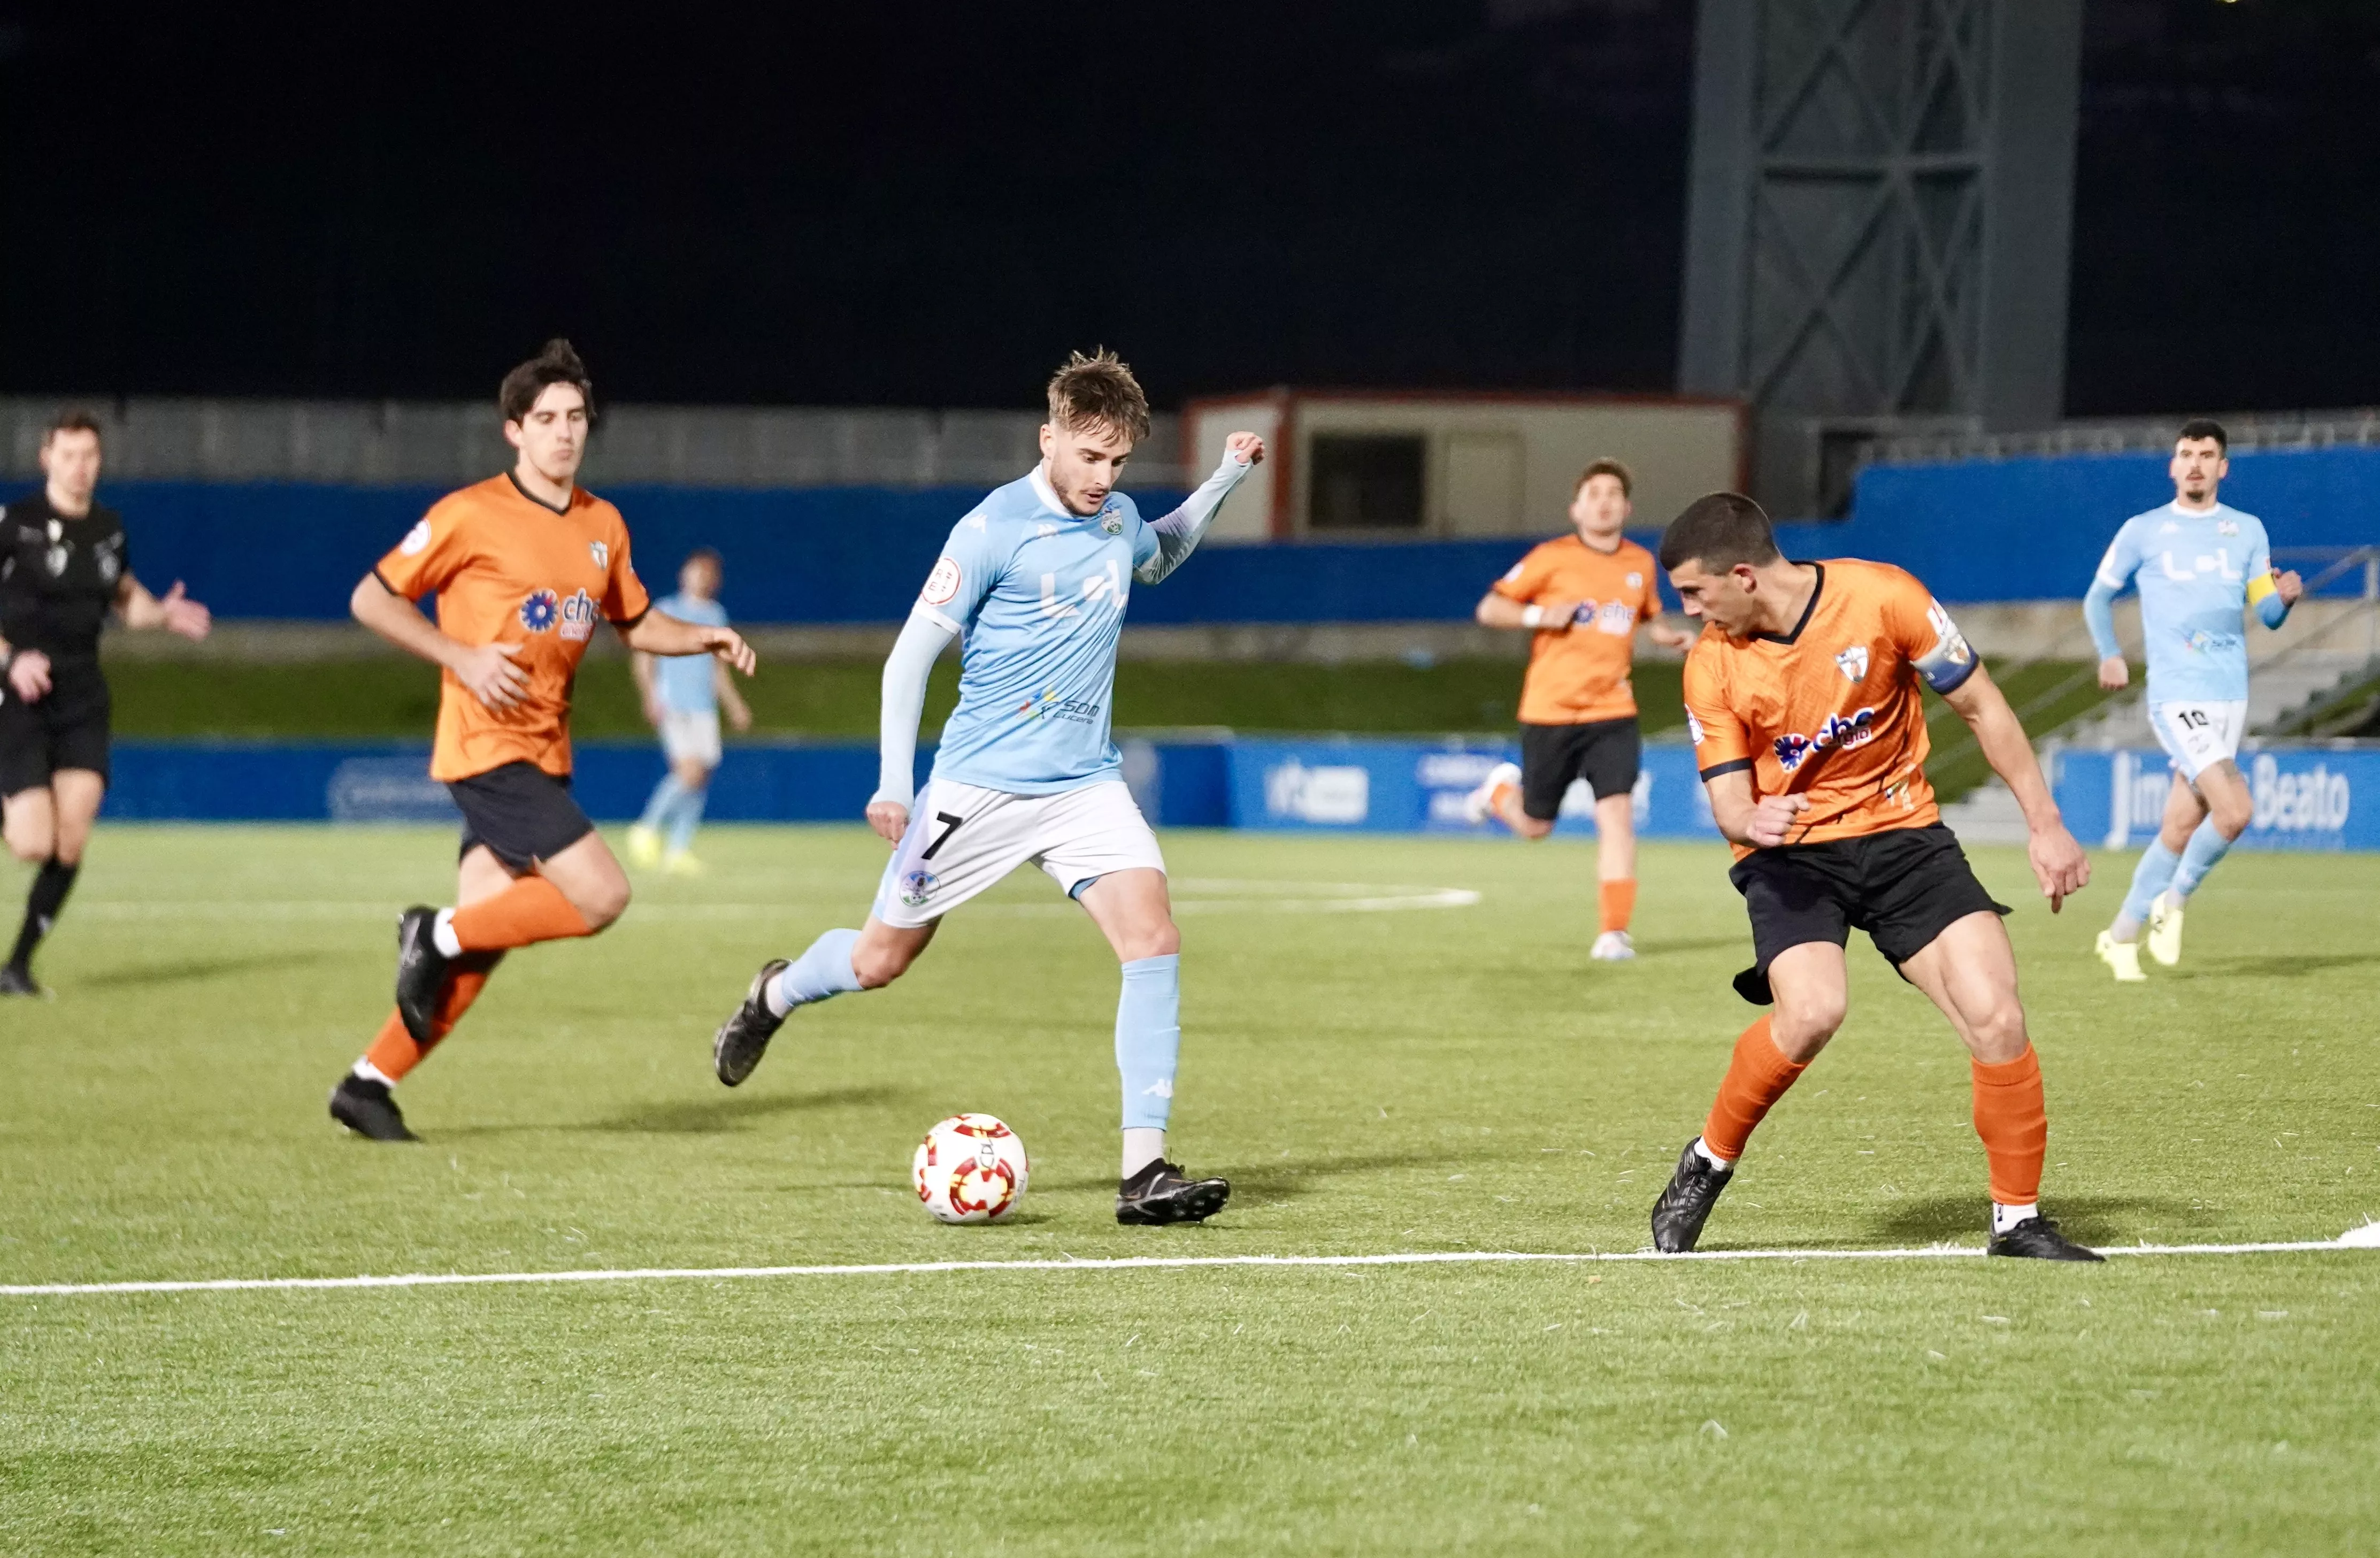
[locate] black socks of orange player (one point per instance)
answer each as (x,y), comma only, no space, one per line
(51,885)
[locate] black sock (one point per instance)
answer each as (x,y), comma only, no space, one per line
(51,885)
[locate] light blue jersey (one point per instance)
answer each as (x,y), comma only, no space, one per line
(685,683)
(1039,594)
(2197,573)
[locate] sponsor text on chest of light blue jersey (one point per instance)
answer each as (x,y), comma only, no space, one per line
(686,684)
(2193,571)
(1040,593)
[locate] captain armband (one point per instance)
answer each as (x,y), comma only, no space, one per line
(1952,661)
(2260,586)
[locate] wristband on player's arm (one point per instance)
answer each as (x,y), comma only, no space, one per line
(1533,616)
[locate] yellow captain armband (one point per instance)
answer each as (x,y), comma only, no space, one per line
(2260,586)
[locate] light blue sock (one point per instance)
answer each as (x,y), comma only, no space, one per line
(685,817)
(2149,878)
(819,974)
(1148,1038)
(664,796)
(2198,857)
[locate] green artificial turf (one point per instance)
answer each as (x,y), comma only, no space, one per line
(1416,1079)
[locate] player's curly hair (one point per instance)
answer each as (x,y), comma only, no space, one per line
(1719,530)
(1099,391)
(557,364)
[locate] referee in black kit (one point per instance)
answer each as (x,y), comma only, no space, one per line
(63,565)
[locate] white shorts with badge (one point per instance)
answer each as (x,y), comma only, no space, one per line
(691,736)
(963,839)
(2198,736)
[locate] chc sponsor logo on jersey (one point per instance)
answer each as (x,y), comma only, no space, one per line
(2315,800)
(917,887)
(539,610)
(1333,796)
(579,615)
(1792,752)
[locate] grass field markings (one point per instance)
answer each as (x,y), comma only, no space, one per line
(1356,897)
(1120,1263)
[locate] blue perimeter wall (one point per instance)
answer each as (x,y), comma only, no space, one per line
(2305,796)
(1979,530)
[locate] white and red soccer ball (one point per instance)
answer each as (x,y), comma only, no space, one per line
(971,1168)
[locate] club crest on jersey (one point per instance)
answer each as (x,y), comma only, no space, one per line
(1111,521)
(417,540)
(539,611)
(1853,662)
(578,614)
(601,552)
(2226,528)
(1856,730)
(919,886)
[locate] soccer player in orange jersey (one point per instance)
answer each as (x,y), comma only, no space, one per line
(523,566)
(1809,729)
(1583,597)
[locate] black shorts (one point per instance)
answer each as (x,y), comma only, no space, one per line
(1903,887)
(522,814)
(1606,753)
(68,728)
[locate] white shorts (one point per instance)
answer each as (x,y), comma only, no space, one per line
(2198,736)
(963,839)
(691,737)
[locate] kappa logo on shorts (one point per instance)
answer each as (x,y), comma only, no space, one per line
(919,886)
(539,609)
(1853,662)
(578,617)
(1792,752)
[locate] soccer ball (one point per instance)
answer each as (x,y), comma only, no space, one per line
(971,1168)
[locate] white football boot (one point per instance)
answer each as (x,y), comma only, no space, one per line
(2165,929)
(1480,804)
(2123,956)
(1612,946)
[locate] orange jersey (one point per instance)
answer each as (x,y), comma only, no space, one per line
(1581,674)
(1831,711)
(507,569)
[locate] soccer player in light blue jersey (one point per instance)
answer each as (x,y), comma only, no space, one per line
(683,697)
(1035,579)
(2200,564)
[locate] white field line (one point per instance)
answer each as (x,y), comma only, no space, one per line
(1125,1263)
(1364,898)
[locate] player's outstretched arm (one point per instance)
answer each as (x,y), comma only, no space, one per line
(2059,864)
(923,636)
(1178,533)
(657,632)
(173,611)
(486,671)
(1496,609)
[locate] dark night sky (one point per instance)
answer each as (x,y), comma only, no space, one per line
(925,203)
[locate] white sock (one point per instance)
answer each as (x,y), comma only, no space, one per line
(2007,1217)
(1143,1145)
(372,1073)
(1713,1159)
(444,934)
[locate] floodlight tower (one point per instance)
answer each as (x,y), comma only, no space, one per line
(1878,224)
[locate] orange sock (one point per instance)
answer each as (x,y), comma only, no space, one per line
(1619,903)
(531,909)
(2014,1124)
(393,1052)
(1756,1079)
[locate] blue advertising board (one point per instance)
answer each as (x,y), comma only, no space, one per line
(1320,784)
(2305,796)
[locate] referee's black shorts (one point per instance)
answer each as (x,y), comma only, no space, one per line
(67,728)
(522,814)
(1606,753)
(1903,887)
